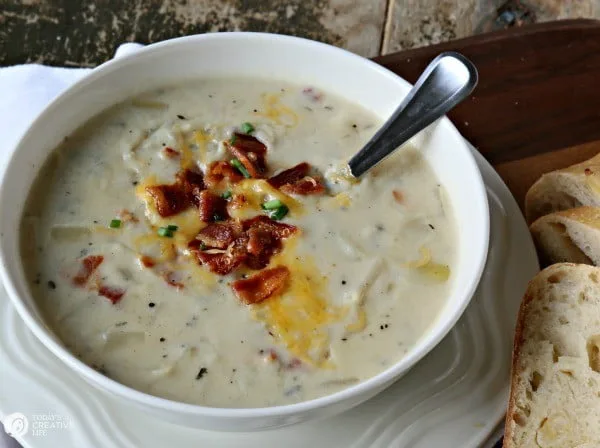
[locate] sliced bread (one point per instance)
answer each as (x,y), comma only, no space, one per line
(555,390)
(559,190)
(569,236)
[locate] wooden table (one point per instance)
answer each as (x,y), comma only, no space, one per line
(537,105)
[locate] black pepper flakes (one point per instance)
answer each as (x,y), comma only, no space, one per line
(344,282)
(51,284)
(152,304)
(344,339)
(181,117)
(203,371)
(431,226)
(162,339)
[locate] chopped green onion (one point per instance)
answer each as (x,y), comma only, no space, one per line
(272,205)
(165,231)
(172,227)
(247,128)
(226,195)
(232,139)
(203,246)
(241,168)
(279,213)
(217,217)
(115,224)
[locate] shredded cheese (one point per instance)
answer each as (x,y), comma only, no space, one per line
(299,317)
(277,112)
(201,139)
(258,191)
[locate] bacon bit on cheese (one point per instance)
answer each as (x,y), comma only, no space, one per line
(219,235)
(259,287)
(172,199)
(88,265)
(278,229)
(212,207)
(221,261)
(219,171)
(191,183)
(398,196)
(171,153)
(111,293)
(225,246)
(297,181)
(250,152)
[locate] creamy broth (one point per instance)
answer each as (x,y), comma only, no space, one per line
(370,265)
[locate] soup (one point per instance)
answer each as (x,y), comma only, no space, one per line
(205,243)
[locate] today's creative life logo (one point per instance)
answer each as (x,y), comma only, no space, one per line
(16,424)
(35,425)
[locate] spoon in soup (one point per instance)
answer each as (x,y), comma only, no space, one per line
(446,81)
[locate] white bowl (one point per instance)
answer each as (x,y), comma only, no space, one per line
(246,54)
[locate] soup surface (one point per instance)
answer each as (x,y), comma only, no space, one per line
(167,250)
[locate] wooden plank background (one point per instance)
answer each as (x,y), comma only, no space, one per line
(537,105)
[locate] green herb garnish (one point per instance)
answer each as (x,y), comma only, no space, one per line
(115,224)
(279,213)
(240,167)
(217,217)
(172,227)
(203,246)
(272,205)
(226,195)
(165,231)
(232,139)
(247,128)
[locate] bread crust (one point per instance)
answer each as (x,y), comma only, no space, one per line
(537,290)
(574,186)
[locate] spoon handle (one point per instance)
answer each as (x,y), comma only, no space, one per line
(446,81)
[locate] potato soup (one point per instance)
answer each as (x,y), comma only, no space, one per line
(205,243)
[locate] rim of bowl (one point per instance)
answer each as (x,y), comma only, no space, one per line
(416,353)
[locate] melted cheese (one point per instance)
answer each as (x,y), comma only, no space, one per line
(258,191)
(187,160)
(201,139)
(276,111)
(300,316)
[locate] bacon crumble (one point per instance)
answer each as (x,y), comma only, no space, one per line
(267,283)
(212,207)
(170,152)
(88,265)
(112,293)
(250,152)
(225,246)
(219,171)
(296,180)
(172,199)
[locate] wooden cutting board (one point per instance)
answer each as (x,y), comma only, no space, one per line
(537,105)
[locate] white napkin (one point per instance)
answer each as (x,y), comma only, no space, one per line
(26,89)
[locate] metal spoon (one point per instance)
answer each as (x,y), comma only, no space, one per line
(446,81)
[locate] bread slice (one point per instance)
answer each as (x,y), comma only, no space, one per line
(555,390)
(559,190)
(569,236)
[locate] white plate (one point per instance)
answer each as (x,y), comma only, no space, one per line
(455,397)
